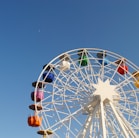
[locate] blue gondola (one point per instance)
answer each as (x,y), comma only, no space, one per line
(48,77)
(104,61)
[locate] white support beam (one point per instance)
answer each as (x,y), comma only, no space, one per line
(88,124)
(103,119)
(123,129)
(128,127)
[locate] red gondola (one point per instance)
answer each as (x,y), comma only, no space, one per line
(122,69)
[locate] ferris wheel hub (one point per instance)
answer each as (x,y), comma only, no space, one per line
(106,91)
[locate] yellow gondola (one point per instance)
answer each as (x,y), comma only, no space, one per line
(136,83)
(136,78)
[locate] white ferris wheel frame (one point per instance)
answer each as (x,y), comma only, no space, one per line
(70,109)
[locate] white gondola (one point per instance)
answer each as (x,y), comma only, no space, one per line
(65,64)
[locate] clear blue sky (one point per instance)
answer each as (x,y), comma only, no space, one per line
(33,32)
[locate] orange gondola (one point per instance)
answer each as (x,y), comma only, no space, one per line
(34,121)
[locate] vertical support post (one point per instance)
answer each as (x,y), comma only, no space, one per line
(88,124)
(86,127)
(90,133)
(103,119)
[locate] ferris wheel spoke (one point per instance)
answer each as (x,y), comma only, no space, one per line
(102,71)
(73,79)
(113,123)
(131,92)
(66,118)
(74,64)
(114,73)
(119,121)
(65,123)
(91,70)
(130,102)
(73,90)
(110,124)
(60,101)
(127,125)
(125,81)
(83,74)
(127,111)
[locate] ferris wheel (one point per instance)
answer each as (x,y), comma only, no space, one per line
(87,93)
